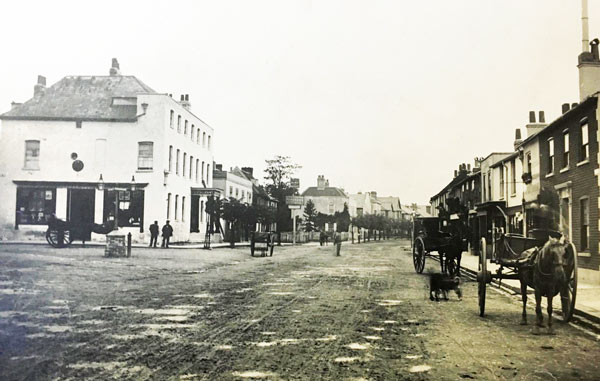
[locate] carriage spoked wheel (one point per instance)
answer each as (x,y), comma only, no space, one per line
(481,276)
(569,291)
(419,255)
(58,238)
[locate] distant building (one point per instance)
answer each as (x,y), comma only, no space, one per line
(364,203)
(391,207)
(93,149)
(260,199)
(327,200)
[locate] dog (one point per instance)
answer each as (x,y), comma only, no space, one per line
(443,283)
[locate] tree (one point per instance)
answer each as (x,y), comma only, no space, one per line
(310,214)
(342,219)
(278,173)
(234,212)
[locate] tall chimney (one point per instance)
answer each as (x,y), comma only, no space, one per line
(585,38)
(588,62)
(531,116)
(321,182)
(114,69)
(40,86)
(542,117)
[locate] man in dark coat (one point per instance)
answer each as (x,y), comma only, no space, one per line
(153,234)
(167,232)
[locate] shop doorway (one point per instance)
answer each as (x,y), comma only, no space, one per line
(80,209)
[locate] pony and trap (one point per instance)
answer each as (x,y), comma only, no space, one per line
(441,235)
(543,260)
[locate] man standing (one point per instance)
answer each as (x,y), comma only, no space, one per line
(153,234)
(167,232)
(337,242)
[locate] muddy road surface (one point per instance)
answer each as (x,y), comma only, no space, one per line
(303,314)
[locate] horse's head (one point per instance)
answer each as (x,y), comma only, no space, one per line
(550,258)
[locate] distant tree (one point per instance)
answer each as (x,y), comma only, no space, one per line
(310,214)
(342,219)
(278,173)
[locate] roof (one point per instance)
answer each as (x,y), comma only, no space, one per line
(324,192)
(390,203)
(83,98)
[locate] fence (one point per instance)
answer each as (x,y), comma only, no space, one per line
(303,237)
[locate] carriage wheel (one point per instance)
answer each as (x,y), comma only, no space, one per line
(419,255)
(482,276)
(452,267)
(58,238)
(569,291)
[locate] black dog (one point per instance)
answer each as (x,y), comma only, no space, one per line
(444,283)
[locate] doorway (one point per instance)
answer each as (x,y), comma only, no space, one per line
(80,209)
(195,215)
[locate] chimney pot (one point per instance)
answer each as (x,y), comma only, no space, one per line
(565,107)
(573,105)
(531,116)
(594,45)
(41,80)
(518,134)
(455,173)
(542,118)
(187,97)
(115,69)
(182,97)
(40,86)
(468,167)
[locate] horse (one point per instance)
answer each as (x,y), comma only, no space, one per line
(544,272)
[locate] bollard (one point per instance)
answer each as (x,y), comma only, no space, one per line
(129,244)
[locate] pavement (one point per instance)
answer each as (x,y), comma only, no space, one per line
(587,302)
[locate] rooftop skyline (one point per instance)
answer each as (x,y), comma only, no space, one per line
(380,96)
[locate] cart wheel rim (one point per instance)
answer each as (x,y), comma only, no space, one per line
(482,280)
(568,293)
(419,255)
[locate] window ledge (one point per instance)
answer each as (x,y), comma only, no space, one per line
(584,254)
(144,170)
(550,175)
(586,161)
(565,169)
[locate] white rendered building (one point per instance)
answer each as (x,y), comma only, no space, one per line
(80,142)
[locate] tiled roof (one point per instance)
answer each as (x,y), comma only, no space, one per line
(324,192)
(83,97)
(390,203)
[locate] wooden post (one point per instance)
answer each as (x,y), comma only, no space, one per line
(129,244)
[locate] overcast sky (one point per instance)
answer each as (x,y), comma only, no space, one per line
(388,96)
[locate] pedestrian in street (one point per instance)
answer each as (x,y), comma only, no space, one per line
(337,242)
(167,232)
(154,234)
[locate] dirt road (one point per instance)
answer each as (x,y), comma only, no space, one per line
(302,314)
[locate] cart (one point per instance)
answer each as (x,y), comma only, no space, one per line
(509,251)
(61,233)
(262,242)
(434,234)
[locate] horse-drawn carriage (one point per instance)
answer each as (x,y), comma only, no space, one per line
(62,233)
(543,260)
(263,242)
(444,236)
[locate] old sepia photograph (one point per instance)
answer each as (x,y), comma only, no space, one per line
(275,190)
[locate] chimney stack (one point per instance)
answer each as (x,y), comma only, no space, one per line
(518,139)
(185,101)
(114,69)
(321,182)
(565,107)
(585,39)
(219,167)
(40,86)
(533,127)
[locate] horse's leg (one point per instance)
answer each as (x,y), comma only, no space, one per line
(442,259)
(524,299)
(458,258)
(538,311)
(549,308)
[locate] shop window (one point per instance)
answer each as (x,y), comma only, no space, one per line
(35,205)
(145,155)
(130,211)
(32,154)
